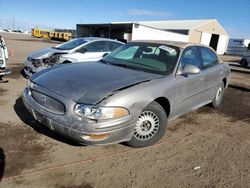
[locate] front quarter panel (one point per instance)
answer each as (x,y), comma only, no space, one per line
(137,97)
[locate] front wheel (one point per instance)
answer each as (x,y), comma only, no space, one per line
(67,61)
(218,96)
(150,126)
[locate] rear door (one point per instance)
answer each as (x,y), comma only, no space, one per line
(213,72)
(189,88)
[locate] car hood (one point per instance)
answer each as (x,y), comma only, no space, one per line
(91,82)
(46,52)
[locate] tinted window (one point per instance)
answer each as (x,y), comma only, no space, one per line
(209,58)
(99,46)
(191,56)
(113,45)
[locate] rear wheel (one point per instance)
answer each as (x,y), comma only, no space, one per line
(243,62)
(218,96)
(150,126)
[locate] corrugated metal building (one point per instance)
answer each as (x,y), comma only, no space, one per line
(208,32)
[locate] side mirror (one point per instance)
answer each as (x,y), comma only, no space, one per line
(82,50)
(190,69)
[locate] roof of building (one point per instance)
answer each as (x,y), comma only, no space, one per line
(171,24)
(175,24)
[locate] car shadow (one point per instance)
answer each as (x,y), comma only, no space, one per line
(242,88)
(28,119)
(2,163)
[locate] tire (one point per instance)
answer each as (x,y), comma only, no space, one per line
(150,126)
(243,62)
(218,96)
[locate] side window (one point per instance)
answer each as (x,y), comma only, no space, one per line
(113,45)
(99,46)
(209,58)
(191,56)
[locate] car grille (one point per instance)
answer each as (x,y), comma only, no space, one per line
(48,103)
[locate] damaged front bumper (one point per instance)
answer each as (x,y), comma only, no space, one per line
(30,69)
(84,131)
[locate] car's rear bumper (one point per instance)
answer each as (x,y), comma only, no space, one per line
(118,131)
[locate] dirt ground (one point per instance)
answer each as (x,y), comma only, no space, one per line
(205,148)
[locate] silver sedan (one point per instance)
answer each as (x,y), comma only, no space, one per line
(129,95)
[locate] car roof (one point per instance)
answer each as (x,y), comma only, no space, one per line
(173,43)
(97,38)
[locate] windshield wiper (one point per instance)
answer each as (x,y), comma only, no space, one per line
(145,65)
(121,65)
(104,61)
(127,66)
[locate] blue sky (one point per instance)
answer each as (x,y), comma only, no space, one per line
(234,16)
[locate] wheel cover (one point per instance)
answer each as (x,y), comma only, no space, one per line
(218,94)
(146,126)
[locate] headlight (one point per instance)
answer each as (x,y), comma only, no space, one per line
(29,84)
(37,63)
(95,112)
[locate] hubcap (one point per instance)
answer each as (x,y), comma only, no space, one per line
(146,126)
(218,94)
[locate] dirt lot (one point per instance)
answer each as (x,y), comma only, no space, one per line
(215,140)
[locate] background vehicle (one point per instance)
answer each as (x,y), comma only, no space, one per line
(3,59)
(245,61)
(130,94)
(77,50)
(41,33)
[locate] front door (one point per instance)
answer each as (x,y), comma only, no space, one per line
(189,88)
(213,72)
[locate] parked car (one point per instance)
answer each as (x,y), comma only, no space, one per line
(129,95)
(245,61)
(77,50)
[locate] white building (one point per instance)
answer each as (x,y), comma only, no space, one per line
(208,32)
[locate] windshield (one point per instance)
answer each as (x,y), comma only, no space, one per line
(71,44)
(148,57)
